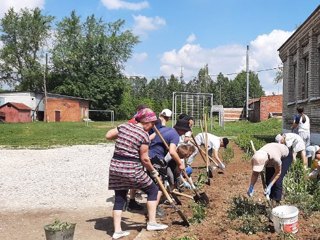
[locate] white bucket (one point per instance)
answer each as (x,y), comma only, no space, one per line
(285,219)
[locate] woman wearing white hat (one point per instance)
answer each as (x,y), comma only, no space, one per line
(294,141)
(277,160)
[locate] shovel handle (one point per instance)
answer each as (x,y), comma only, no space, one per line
(163,189)
(161,137)
(201,151)
(252,146)
(182,194)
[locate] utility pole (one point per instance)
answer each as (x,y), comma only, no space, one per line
(181,73)
(247,70)
(45,89)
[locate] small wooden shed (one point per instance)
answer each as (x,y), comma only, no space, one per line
(15,112)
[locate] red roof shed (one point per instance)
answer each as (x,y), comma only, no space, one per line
(16,112)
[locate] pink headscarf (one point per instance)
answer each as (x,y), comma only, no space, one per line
(145,115)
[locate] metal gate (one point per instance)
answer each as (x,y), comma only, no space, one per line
(193,104)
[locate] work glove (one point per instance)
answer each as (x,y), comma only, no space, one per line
(187,185)
(250,191)
(267,191)
(221,166)
(154,173)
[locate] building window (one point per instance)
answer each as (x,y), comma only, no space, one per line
(319,68)
(295,75)
(305,80)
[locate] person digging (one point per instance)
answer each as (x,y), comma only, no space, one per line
(276,158)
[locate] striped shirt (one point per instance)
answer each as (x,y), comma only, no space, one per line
(130,138)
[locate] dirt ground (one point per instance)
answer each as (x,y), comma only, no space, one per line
(96,223)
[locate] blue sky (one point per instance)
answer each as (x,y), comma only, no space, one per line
(187,34)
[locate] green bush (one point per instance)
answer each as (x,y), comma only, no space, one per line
(301,191)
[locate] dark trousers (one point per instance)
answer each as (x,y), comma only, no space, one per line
(276,190)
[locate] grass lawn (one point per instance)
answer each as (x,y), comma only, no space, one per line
(44,135)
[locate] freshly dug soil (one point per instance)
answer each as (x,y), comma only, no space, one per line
(233,182)
(94,222)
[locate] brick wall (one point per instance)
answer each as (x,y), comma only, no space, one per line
(14,115)
(68,110)
(270,104)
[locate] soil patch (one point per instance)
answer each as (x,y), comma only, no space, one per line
(95,223)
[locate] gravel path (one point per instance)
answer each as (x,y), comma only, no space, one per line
(73,177)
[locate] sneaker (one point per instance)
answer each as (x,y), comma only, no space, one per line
(121,234)
(160,212)
(156,226)
(134,205)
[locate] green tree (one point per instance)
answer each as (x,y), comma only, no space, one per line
(238,89)
(24,35)
(88,58)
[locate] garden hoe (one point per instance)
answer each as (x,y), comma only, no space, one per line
(163,189)
(263,180)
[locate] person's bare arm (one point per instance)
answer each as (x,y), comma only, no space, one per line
(112,134)
(276,175)
(216,155)
(144,156)
(175,156)
(254,178)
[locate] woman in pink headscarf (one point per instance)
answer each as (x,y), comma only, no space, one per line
(126,168)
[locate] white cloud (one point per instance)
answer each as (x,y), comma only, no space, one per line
(119,4)
(191,38)
(19,4)
(143,24)
(140,57)
(227,59)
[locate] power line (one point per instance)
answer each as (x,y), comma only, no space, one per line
(211,75)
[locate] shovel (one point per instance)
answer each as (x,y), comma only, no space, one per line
(199,197)
(163,189)
(263,180)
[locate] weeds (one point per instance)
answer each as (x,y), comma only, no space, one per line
(227,155)
(184,238)
(202,179)
(251,217)
(199,213)
(287,236)
(301,191)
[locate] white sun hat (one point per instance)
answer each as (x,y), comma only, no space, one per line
(166,113)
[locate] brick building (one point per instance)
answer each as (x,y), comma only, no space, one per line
(59,107)
(260,109)
(300,55)
(15,112)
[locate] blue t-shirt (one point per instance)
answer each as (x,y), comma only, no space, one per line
(157,148)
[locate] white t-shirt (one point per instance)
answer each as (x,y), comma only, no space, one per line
(295,141)
(304,127)
(311,151)
(213,141)
(276,151)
